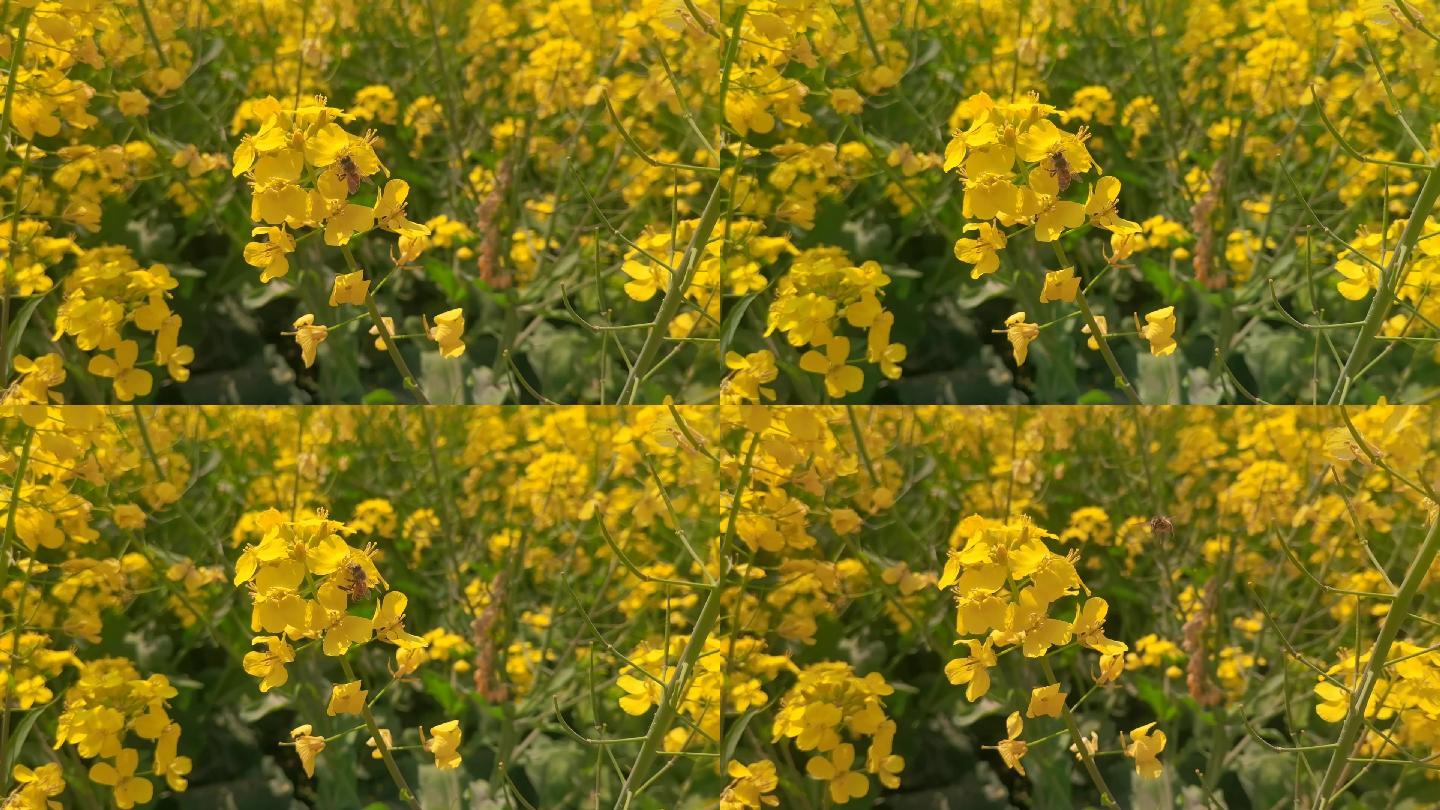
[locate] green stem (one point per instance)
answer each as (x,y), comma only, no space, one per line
(390,347)
(682,276)
(1389,284)
(406,794)
(5,577)
(150,32)
(1100,338)
(860,444)
(7,349)
(674,692)
(16,59)
(1107,798)
(1104,344)
(674,296)
(14,507)
(1375,667)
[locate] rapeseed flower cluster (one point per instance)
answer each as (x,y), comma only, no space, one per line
(742,602)
(304,168)
(694,200)
(75,87)
(1007,583)
(304,578)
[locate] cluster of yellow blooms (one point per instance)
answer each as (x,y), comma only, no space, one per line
(1017,167)
(744,580)
(829,709)
(1007,581)
(1371,251)
(37,787)
(820,288)
(731,674)
(58,581)
(305,167)
(756,78)
(654,259)
(1404,694)
(106,291)
(109,700)
(305,578)
(735,174)
(76,78)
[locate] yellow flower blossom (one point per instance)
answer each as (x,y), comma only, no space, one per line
(269,666)
(983,251)
(309,335)
(308,747)
(130,381)
(349,288)
(840,378)
(1060,285)
(444,744)
(752,786)
(1159,330)
(844,783)
(129,789)
(1145,748)
(346,698)
(1012,749)
(1045,701)
(1020,334)
(449,326)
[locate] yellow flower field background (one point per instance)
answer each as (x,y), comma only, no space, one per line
(582,201)
(681,607)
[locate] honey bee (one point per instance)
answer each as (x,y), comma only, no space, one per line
(1161,524)
(349,172)
(358,586)
(1061,171)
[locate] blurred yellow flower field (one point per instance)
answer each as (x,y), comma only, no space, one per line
(614,352)
(775,202)
(699,607)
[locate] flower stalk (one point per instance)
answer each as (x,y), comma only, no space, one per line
(390,348)
(406,794)
(674,690)
(1355,724)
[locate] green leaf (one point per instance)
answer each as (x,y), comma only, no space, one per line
(439,688)
(1274,356)
(339,786)
(551,766)
(732,320)
(443,378)
(484,797)
(1268,780)
(1203,389)
(444,278)
(485,388)
(22,730)
(1158,275)
(1156,792)
(1157,379)
(263,786)
(973,295)
(440,790)
(732,736)
(17,328)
